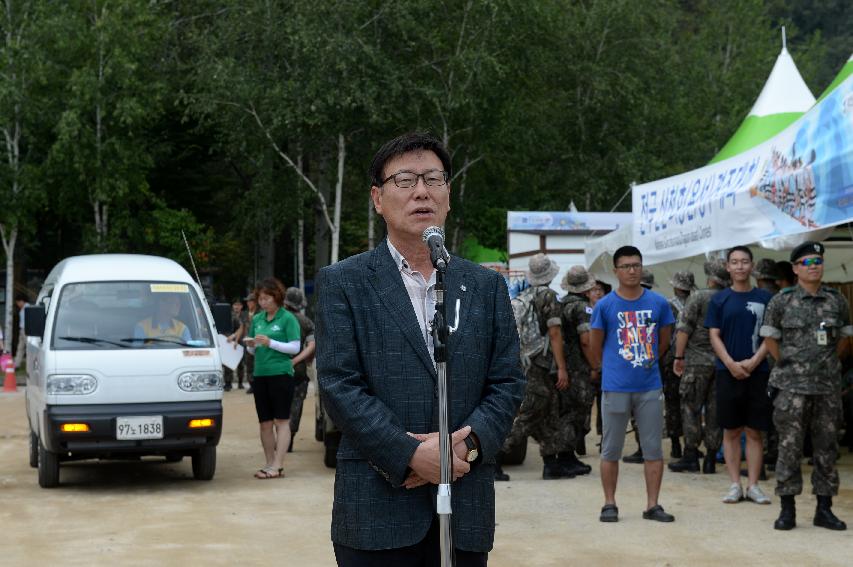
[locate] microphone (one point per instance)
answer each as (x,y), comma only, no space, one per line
(434,238)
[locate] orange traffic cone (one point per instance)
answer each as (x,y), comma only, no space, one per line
(10,384)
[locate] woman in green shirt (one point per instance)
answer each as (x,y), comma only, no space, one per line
(274,337)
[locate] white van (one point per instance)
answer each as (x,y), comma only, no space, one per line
(122,361)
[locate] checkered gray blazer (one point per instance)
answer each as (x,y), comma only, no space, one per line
(378,382)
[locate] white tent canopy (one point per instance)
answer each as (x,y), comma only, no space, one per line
(784,98)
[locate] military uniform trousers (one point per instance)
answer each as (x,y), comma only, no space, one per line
(300,391)
(698,391)
(539,415)
(793,415)
(576,409)
(672,399)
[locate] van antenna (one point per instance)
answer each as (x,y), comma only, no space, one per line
(192,261)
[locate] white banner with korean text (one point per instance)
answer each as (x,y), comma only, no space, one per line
(800,180)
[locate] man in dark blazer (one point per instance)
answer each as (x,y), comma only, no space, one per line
(376,371)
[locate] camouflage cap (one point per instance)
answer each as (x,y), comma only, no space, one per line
(577,280)
(542,269)
(765,269)
(784,271)
(716,270)
(807,249)
(647,280)
(294,298)
(684,280)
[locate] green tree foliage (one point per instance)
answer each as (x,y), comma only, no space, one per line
(113,89)
(238,121)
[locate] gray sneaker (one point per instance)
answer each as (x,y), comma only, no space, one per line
(734,495)
(757,495)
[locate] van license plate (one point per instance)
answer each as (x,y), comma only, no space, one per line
(143,427)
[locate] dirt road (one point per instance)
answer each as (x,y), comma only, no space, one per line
(154,513)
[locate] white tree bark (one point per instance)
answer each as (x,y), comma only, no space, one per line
(14,28)
(339,189)
(9,242)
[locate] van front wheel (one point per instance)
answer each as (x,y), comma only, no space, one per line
(48,466)
(204,463)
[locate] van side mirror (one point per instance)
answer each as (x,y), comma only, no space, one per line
(222,318)
(34,318)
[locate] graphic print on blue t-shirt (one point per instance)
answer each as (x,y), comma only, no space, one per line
(636,336)
(629,360)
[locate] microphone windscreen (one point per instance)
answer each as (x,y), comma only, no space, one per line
(431,231)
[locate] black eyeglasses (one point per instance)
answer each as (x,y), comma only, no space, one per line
(408,180)
(630,267)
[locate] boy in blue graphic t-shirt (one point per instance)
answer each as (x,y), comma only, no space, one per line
(631,330)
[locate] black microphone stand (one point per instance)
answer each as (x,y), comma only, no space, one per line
(440,332)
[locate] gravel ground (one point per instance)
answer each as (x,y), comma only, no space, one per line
(151,512)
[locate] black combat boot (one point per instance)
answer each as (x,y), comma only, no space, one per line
(675,453)
(688,463)
(581,446)
(500,475)
(636,457)
(572,464)
(709,464)
(787,519)
(823,516)
(553,469)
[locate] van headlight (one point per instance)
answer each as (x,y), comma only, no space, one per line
(71,384)
(200,381)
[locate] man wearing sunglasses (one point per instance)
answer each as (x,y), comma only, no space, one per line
(806,328)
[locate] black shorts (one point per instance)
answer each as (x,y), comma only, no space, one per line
(743,402)
(273,396)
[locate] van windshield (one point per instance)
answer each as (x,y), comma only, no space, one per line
(128,315)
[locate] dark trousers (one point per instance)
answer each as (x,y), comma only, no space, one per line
(426,553)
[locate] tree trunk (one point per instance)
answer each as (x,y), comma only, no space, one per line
(300,252)
(9,243)
(457,230)
(321,227)
(339,189)
(101,225)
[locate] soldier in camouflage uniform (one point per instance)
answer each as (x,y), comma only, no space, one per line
(765,275)
(804,327)
(695,364)
(683,284)
(294,301)
(576,401)
(539,414)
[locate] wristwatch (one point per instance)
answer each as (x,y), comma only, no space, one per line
(473,452)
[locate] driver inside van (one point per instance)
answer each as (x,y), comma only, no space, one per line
(164,323)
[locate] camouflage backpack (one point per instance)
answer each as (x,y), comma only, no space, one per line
(532,341)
